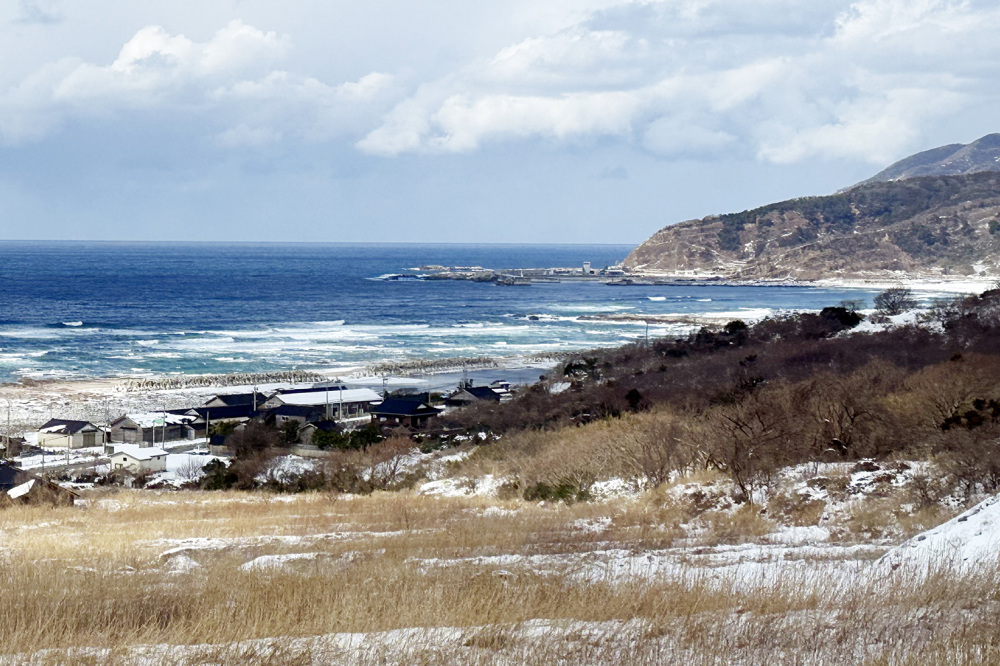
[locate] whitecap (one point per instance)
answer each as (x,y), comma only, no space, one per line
(72,323)
(657,298)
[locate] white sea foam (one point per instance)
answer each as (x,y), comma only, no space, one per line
(589,307)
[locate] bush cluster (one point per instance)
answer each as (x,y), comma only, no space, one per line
(749,400)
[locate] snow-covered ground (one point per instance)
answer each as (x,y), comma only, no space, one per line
(968,540)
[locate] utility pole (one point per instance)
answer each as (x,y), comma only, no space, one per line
(6,436)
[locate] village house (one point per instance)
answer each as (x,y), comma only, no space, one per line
(468,394)
(152,427)
(139,459)
(206,417)
(335,403)
(254,399)
(404,412)
(62,433)
(301,414)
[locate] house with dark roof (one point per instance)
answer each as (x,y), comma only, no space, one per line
(468,394)
(255,398)
(403,412)
(300,414)
(63,433)
(231,413)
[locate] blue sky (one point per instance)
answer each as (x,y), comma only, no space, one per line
(451,121)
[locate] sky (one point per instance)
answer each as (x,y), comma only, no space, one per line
(513,121)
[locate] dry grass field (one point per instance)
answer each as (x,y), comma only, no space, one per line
(139,577)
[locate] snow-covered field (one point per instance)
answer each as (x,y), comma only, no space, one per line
(465,577)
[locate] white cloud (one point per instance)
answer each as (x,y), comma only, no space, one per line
(464,123)
(780,79)
(680,136)
(366,88)
(154,67)
(228,79)
(696,76)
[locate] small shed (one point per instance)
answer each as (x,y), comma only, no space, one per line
(217,446)
(307,431)
(139,459)
(63,433)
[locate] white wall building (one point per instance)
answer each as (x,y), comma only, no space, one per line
(138,459)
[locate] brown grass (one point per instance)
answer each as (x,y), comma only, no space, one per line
(92,585)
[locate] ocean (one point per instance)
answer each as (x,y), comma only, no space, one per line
(76,310)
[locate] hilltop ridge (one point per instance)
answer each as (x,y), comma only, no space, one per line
(898,222)
(952,160)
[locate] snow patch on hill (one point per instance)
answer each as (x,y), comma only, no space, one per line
(968,540)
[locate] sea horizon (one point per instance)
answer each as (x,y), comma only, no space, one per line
(69,241)
(99,309)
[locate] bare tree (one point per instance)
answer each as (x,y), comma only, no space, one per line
(894,301)
(190,469)
(388,461)
(654,447)
(748,439)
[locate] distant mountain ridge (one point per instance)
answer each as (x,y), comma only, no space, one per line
(926,226)
(952,160)
(934,213)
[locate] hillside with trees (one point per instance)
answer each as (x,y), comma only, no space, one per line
(749,401)
(951,160)
(929,226)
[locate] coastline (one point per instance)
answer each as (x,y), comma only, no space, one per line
(100,399)
(920,283)
(103,399)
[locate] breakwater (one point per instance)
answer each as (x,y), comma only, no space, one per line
(228,379)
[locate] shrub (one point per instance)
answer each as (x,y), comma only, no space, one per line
(254,438)
(566,491)
(358,439)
